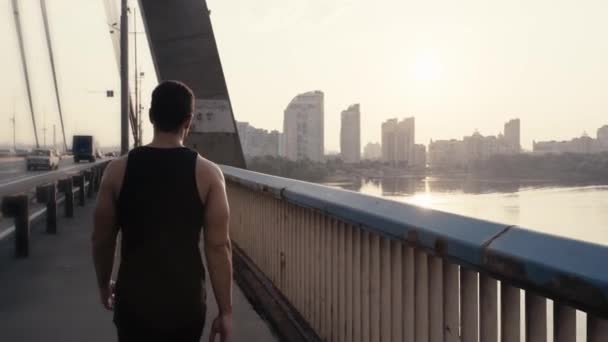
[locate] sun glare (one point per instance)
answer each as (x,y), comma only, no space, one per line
(426,67)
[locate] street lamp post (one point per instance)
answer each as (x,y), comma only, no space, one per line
(14,122)
(124,79)
(139,107)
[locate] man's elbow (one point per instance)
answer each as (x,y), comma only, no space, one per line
(102,241)
(218,246)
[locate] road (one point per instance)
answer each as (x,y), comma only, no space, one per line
(14,177)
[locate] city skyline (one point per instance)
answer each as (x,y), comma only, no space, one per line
(460,67)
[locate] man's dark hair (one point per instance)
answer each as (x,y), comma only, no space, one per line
(172,104)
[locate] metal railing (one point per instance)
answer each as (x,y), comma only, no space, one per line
(48,195)
(361,268)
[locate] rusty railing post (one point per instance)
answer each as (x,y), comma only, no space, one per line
(47,194)
(51,208)
(66,186)
(17,207)
(96,178)
(88,176)
(79,182)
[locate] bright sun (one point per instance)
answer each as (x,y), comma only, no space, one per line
(426,67)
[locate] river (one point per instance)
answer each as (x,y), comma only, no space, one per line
(579,212)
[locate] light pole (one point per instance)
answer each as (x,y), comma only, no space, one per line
(135,79)
(139,108)
(14,122)
(124,79)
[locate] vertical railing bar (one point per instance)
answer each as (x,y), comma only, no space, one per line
(307,256)
(300,246)
(282,247)
(255,233)
(451,300)
(397,292)
(268,233)
(349,283)
(488,302)
(510,308)
(259,247)
(298,266)
(316,273)
(536,318)
(357,279)
(277,241)
(385,290)
(422,296)
(365,286)
(375,300)
(469,305)
(325,280)
(291,265)
(564,323)
(409,301)
(597,329)
(311,255)
(341,282)
(436,333)
(335,327)
(329,280)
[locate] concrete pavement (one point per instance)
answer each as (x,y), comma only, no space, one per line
(52,296)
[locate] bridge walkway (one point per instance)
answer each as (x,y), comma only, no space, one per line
(52,295)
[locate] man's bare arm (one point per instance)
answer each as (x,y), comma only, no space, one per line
(105,231)
(218,248)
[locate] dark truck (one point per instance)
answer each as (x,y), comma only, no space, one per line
(83,148)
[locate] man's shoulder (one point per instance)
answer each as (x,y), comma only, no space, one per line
(208,170)
(116,165)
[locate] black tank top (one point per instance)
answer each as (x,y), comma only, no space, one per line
(160,214)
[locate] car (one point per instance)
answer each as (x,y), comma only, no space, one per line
(45,158)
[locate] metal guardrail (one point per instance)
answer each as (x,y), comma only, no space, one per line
(66,191)
(460,263)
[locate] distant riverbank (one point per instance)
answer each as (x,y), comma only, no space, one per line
(561,169)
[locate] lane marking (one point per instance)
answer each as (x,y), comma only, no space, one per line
(43,174)
(7,232)
(11,229)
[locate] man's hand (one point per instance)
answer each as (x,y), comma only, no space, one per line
(222,326)
(106,294)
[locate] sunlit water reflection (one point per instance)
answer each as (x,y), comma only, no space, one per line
(579,212)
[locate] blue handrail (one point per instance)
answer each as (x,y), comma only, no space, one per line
(567,270)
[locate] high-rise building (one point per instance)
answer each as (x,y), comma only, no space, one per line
(602,137)
(398,141)
(419,156)
(583,144)
(389,140)
(512,136)
(446,154)
(258,142)
(350,135)
(372,151)
(476,147)
(303,127)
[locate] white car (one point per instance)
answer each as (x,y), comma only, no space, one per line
(43,158)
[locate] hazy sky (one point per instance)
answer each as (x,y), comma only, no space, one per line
(456,66)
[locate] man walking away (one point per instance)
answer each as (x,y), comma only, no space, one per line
(160,196)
